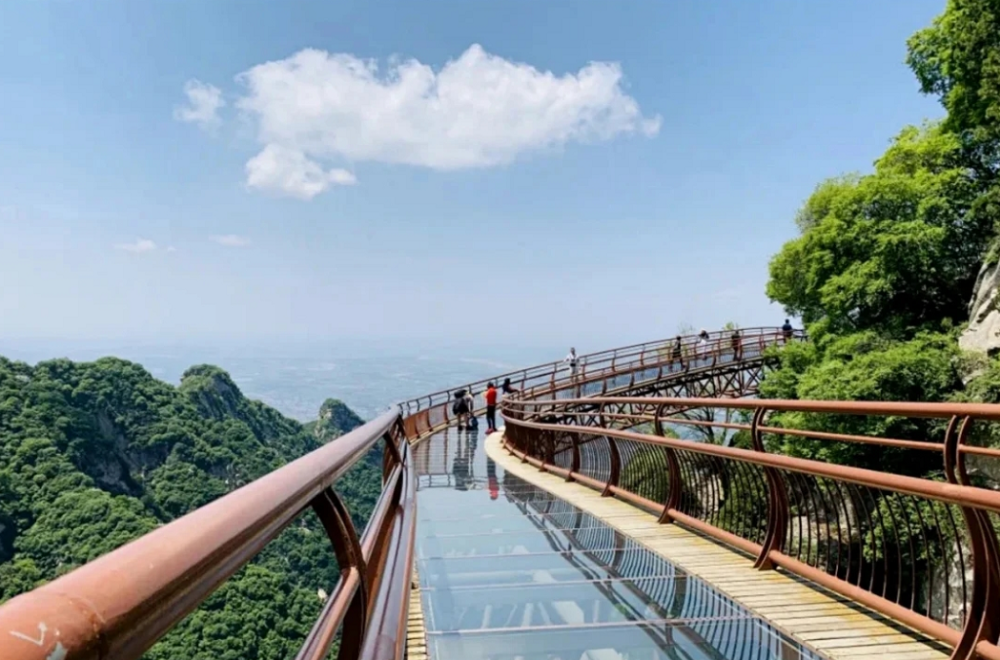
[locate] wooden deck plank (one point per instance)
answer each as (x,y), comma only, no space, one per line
(825,622)
(416,632)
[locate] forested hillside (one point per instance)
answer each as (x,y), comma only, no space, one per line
(95,454)
(887,262)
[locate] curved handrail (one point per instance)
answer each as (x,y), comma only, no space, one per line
(542,374)
(121,603)
(895,543)
(656,359)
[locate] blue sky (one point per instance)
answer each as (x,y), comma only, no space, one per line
(593,173)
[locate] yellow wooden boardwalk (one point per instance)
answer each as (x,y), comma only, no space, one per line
(825,622)
(416,632)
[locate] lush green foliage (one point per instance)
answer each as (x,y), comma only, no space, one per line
(93,455)
(886,263)
(957,59)
(894,251)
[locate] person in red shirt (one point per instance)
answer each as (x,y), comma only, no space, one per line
(491,408)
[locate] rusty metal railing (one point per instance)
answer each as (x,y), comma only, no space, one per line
(604,372)
(120,604)
(921,550)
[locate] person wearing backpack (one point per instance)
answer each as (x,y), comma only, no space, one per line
(461,409)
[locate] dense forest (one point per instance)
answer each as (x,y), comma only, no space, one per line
(95,454)
(889,265)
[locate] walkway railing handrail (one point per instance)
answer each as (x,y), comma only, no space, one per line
(121,603)
(543,374)
(802,515)
(431,413)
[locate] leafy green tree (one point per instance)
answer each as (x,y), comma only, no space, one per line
(894,251)
(957,58)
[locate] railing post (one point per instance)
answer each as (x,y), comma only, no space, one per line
(675,487)
(336,520)
(575,465)
(982,622)
(614,471)
(777,501)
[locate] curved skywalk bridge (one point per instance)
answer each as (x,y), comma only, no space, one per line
(506,569)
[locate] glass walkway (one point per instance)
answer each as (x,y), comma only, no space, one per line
(507,572)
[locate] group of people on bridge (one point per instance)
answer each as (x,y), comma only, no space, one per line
(464,405)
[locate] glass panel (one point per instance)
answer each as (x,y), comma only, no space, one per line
(742,639)
(511,543)
(441,572)
(548,602)
(488,523)
(510,572)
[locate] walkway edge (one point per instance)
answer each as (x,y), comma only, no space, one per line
(822,621)
(416,632)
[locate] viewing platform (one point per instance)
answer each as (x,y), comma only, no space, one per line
(604,523)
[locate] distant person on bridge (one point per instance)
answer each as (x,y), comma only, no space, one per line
(702,344)
(737,343)
(786,331)
(677,353)
(506,388)
(461,408)
(573,361)
(491,408)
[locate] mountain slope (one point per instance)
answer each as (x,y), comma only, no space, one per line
(95,454)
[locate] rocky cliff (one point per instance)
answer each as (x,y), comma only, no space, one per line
(983,332)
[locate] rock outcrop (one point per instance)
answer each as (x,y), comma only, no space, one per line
(335,419)
(983,333)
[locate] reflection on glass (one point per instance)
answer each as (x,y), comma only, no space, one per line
(509,572)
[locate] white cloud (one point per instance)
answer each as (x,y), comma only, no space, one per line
(203,104)
(230,240)
(171,248)
(140,245)
(479,110)
(288,171)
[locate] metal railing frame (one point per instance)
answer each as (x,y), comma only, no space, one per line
(120,604)
(554,445)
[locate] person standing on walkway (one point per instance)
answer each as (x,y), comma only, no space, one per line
(460,408)
(786,331)
(506,389)
(573,361)
(677,353)
(702,344)
(491,408)
(737,343)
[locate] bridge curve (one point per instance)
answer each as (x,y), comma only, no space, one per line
(590,429)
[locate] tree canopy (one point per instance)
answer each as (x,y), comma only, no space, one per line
(897,250)
(886,262)
(957,59)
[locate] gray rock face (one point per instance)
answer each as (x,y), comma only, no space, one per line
(983,333)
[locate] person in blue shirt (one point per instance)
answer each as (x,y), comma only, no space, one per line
(786,331)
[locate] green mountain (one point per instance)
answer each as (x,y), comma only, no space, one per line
(335,419)
(95,454)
